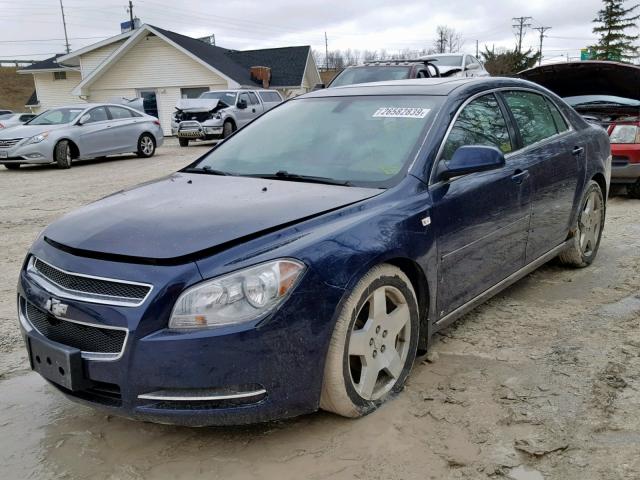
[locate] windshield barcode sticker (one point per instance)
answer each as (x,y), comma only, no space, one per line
(401,112)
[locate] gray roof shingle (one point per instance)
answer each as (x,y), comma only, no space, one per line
(49,63)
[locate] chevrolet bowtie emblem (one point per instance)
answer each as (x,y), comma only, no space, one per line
(56,307)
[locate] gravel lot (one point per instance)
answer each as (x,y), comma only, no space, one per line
(542,382)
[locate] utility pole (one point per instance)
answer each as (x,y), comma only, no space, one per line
(326,51)
(542,35)
(521,24)
(130,9)
(477,49)
(64,24)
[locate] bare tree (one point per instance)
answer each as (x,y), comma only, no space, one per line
(447,40)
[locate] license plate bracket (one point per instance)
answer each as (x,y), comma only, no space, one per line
(57,363)
(4,154)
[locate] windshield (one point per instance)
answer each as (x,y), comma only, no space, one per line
(58,116)
(353,75)
(5,116)
(600,99)
(226,97)
(447,61)
(363,141)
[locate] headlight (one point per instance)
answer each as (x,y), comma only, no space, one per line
(239,297)
(216,115)
(37,138)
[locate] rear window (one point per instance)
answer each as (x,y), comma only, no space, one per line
(270,97)
(351,76)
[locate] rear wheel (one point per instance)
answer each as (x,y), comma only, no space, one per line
(146,146)
(12,166)
(184,142)
(633,190)
(588,229)
(373,345)
(228,128)
(63,154)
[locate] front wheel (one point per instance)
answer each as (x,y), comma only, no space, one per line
(12,166)
(228,128)
(62,154)
(373,345)
(633,191)
(146,146)
(585,242)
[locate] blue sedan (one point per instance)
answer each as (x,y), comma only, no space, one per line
(305,261)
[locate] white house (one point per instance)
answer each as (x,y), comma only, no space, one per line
(163,66)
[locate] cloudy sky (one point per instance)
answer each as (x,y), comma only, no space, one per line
(33,28)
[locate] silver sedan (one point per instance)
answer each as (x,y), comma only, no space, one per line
(85,131)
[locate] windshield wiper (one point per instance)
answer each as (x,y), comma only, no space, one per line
(295,177)
(208,170)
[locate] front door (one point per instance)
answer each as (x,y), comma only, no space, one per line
(149,102)
(481,219)
(94,137)
(554,154)
(244,115)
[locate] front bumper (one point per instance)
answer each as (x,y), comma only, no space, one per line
(35,153)
(625,166)
(230,375)
(197,130)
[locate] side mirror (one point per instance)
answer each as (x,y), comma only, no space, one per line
(84,119)
(471,159)
(242,104)
(319,86)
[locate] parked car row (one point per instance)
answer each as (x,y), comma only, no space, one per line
(9,120)
(304,261)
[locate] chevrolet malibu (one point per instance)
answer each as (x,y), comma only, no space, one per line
(306,260)
(62,135)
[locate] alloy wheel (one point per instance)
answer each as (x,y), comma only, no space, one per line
(146,145)
(590,223)
(379,342)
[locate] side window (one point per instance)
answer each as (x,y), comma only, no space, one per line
(480,123)
(532,115)
(245,97)
(253,98)
(118,113)
(97,115)
(561,123)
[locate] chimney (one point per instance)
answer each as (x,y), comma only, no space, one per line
(261,74)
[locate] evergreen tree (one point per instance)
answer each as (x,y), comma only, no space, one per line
(612,22)
(508,62)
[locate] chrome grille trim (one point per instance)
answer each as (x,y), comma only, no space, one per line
(100,356)
(55,287)
(9,142)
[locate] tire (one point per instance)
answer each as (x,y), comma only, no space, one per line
(62,154)
(588,229)
(146,146)
(228,128)
(349,388)
(12,166)
(633,191)
(184,142)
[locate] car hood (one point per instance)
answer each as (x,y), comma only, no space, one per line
(587,78)
(197,104)
(26,131)
(184,216)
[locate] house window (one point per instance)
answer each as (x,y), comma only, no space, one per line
(193,92)
(59,75)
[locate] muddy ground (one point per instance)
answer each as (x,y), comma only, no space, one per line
(542,382)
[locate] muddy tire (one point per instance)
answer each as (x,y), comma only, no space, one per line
(12,166)
(62,154)
(228,128)
(184,142)
(588,229)
(633,191)
(146,146)
(373,345)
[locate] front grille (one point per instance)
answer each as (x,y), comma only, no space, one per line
(620,160)
(8,143)
(197,116)
(92,286)
(87,338)
(100,392)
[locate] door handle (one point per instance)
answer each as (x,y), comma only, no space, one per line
(519,176)
(253,110)
(577,150)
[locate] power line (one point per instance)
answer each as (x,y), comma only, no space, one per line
(542,35)
(521,25)
(52,39)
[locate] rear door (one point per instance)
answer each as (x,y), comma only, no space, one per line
(123,131)
(481,219)
(256,106)
(554,153)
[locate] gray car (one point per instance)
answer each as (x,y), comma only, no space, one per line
(9,120)
(80,132)
(457,65)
